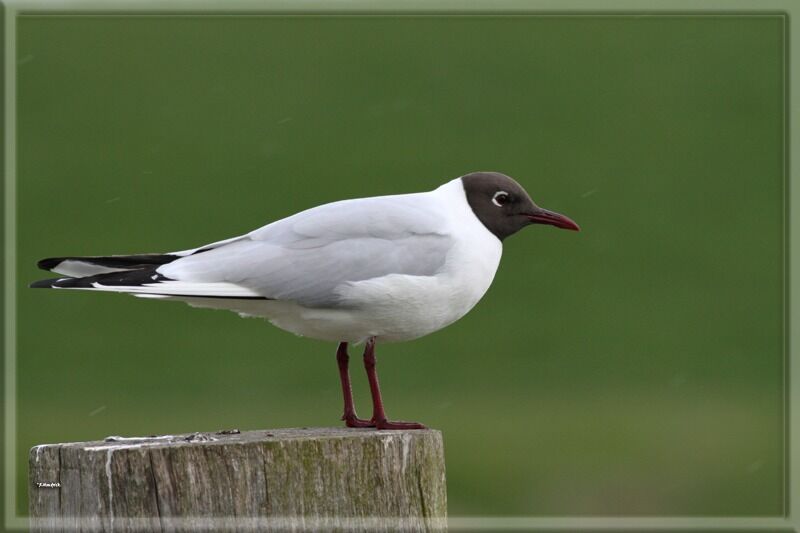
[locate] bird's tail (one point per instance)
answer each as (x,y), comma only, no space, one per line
(83,272)
(137,275)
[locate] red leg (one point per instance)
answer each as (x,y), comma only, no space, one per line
(378,414)
(350,418)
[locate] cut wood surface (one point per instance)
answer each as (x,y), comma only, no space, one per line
(318,479)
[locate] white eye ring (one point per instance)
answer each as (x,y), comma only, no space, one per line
(496,195)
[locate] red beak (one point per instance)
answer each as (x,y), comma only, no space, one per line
(543,216)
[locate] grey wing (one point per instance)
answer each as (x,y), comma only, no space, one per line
(306,257)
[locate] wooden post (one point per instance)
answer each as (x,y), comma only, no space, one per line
(275,480)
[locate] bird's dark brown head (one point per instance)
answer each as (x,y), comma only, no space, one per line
(503,206)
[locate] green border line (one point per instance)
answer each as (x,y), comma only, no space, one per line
(427,8)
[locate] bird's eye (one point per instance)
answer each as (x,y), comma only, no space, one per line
(501,198)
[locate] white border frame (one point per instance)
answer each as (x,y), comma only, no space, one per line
(785,8)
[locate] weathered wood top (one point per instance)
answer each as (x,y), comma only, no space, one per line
(297,479)
(232,436)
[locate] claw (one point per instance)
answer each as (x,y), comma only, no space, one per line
(352,421)
(389,424)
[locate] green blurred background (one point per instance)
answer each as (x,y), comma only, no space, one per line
(635,368)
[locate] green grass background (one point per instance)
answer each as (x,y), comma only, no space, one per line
(635,368)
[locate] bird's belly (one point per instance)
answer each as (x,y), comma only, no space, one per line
(397,307)
(397,315)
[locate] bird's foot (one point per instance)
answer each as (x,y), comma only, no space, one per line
(389,424)
(352,421)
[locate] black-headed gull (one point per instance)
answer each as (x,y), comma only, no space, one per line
(387,268)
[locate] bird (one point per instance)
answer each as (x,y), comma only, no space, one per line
(360,271)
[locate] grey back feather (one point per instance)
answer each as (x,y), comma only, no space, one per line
(306,257)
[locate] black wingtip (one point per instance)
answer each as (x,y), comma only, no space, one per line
(62,283)
(44,284)
(49,263)
(126,262)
